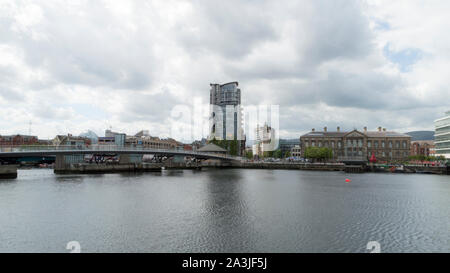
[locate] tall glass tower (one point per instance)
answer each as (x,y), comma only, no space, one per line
(225,112)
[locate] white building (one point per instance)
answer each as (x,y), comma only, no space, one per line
(265,140)
(296,151)
(442,135)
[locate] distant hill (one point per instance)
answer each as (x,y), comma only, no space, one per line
(421,135)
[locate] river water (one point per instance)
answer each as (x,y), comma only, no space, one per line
(225,210)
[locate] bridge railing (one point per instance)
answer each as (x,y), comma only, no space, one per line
(110,148)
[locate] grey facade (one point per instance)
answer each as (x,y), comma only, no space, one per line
(226,113)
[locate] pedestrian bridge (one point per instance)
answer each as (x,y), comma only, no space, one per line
(36,150)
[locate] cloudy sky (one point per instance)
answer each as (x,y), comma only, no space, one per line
(73,66)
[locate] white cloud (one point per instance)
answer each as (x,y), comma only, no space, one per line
(69,66)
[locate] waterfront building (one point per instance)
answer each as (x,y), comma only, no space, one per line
(117,138)
(265,140)
(385,145)
(197,144)
(17,140)
(286,145)
(144,140)
(70,140)
(442,135)
(226,113)
(422,147)
(91,135)
(212,148)
(296,151)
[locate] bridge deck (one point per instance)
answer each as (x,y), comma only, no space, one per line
(70,150)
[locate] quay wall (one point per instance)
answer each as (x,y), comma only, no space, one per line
(8,171)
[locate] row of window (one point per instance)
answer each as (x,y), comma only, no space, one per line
(358,143)
(443,122)
(442,130)
(383,154)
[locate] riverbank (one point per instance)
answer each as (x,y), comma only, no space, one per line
(10,171)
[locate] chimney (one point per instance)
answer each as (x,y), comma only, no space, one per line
(338,129)
(325,128)
(365,129)
(313,130)
(379,129)
(384,129)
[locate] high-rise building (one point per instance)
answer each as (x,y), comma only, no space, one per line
(226,113)
(265,140)
(442,135)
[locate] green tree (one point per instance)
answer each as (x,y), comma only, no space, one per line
(318,153)
(249,154)
(277,153)
(232,146)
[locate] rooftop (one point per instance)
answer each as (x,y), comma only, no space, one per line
(211,148)
(343,133)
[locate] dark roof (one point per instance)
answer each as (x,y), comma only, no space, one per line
(211,148)
(421,135)
(325,134)
(343,133)
(385,134)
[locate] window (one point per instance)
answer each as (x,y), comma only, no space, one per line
(332,144)
(404,144)
(382,144)
(369,144)
(390,144)
(376,144)
(397,144)
(360,142)
(339,144)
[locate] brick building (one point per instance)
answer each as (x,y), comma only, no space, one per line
(385,145)
(422,147)
(17,140)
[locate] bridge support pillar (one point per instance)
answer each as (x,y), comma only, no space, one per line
(62,162)
(130,158)
(8,171)
(178,159)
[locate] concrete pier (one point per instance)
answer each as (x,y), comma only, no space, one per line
(8,171)
(290,166)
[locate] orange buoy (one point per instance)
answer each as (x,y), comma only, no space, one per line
(347,180)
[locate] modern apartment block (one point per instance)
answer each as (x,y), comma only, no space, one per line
(442,135)
(265,140)
(226,113)
(385,145)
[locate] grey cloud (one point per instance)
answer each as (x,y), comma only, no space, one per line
(281,52)
(228,28)
(149,107)
(93,49)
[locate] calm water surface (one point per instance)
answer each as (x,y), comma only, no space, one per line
(231,210)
